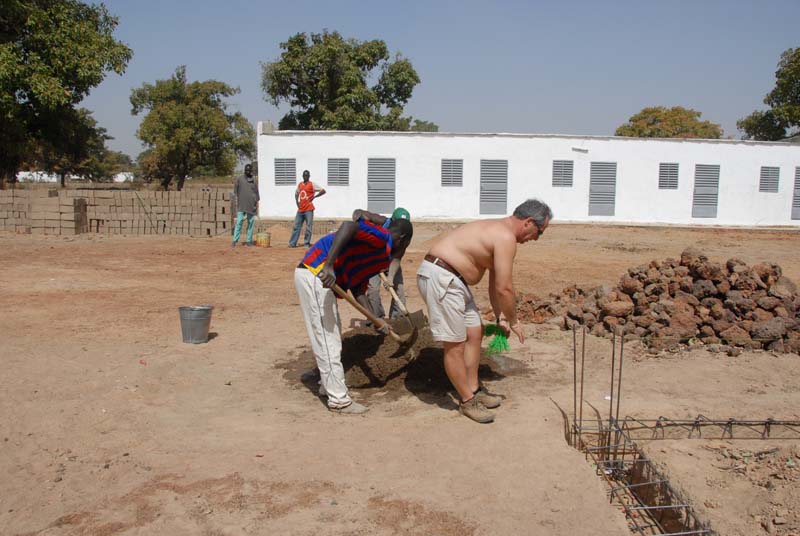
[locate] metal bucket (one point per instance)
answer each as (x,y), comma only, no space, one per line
(195,321)
(262,240)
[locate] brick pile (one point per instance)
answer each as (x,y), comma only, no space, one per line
(14,210)
(52,214)
(692,300)
(194,212)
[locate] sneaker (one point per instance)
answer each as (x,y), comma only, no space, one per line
(292,246)
(233,244)
(475,411)
(488,400)
(353,409)
(249,244)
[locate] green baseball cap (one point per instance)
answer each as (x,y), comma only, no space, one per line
(401,214)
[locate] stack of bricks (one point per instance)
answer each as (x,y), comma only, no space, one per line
(14,210)
(54,214)
(194,212)
(45,212)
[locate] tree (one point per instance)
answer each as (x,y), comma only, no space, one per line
(52,53)
(675,122)
(188,128)
(784,103)
(72,144)
(105,166)
(324,79)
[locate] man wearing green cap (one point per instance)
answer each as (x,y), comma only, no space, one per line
(395,271)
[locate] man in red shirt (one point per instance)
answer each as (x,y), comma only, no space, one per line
(304,196)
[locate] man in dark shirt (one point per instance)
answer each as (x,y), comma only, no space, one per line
(247,198)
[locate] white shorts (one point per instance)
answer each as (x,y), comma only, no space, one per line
(451,306)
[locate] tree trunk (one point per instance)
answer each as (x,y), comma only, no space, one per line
(165,183)
(180,183)
(63,180)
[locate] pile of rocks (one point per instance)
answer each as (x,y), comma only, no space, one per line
(670,302)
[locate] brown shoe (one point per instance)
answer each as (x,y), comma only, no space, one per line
(354,408)
(475,411)
(488,400)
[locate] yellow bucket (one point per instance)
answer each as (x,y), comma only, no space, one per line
(262,240)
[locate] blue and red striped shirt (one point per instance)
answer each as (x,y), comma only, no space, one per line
(368,253)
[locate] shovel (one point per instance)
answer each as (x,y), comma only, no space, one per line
(377,322)
(415,319)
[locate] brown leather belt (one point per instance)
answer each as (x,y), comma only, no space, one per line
(439,262)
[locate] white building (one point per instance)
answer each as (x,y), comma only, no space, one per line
(441,176)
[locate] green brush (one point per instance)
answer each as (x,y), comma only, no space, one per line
(499,342)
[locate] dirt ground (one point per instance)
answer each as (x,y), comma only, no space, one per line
(111,425)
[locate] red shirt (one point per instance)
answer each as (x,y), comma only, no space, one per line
(305,193)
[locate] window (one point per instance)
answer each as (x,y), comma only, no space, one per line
(452,172)
(338,171)
(562,173)
(770,177)
(285,171)
(667,176)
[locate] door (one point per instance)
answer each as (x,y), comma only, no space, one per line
(796,196)
(602,188)
(494,187)
(380,185)
(706,191)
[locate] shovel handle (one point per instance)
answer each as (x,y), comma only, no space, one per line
(395,297)
(361,309)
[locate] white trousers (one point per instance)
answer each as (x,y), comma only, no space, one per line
(321,315)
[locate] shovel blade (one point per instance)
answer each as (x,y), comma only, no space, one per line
(412,322)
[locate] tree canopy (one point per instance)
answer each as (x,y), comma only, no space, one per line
(325,80)
(675,122)
(52,53)
(188,129)
(782,119)
(73,145)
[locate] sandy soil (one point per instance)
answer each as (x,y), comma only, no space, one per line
(742,487)
(111,425)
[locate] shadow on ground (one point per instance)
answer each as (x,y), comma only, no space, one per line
(376,365)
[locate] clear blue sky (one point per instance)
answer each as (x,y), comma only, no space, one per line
(508,66)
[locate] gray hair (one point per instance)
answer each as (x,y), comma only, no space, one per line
(533,208)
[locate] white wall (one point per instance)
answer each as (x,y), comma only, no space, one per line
(530,159)
(37,176)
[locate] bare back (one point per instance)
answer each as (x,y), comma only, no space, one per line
(470,248)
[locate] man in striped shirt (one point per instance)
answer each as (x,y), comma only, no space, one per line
(349,258)
(395,275)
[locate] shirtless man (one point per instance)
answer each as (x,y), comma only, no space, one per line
(459,259)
